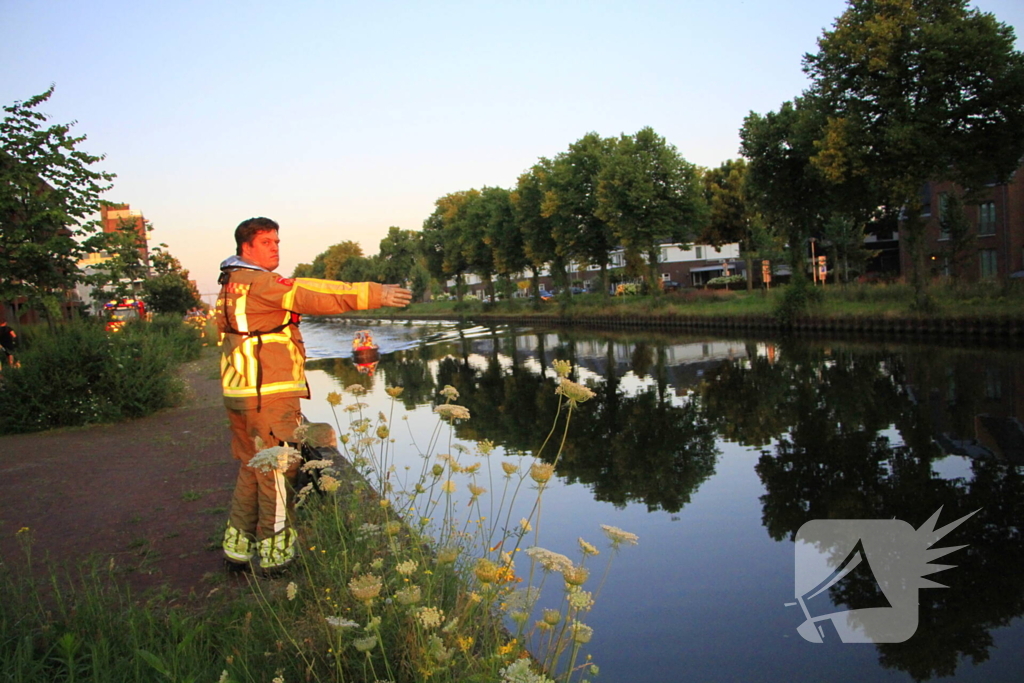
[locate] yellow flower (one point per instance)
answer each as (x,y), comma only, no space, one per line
(392,528)
(485,447)
(576,393)
(365,587)
(486,571)
(477,490)
(450,392)
(292,590)
(365,644)
(356,389)
(407,568)
(575,576)
(473,469)
(447,555)
(334,398)
(382,432)
(464,643)
(581,633)
(450,411)
(562,367)
(552,617)
(525,525)
(448,486)
(541,472)
(409,595)
(588,549)
(617,536)
(329,484)
(394,392)
(509,467)
(507,648)
(430,617)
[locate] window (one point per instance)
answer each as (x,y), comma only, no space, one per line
(664,255)
(926,200)
(943,202)
(988,263)
(986,219)
(700,252)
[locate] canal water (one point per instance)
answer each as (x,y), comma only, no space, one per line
(716,451)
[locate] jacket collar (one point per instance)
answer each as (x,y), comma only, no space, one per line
(237,262)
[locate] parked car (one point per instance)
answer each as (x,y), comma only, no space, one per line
(670,285)
(545,295)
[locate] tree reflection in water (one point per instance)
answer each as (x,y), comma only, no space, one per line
(831,460)
(845,432)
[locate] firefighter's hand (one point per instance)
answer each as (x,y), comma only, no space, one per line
(393,295)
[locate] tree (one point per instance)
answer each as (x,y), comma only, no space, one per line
(917,91)
(442,239)
(572,203)
(539,242)
(328,264)
(125,267)
(780,180)
(47,195)
(649,194)
(402,260)
(503,236)
(731,217)
(169,290)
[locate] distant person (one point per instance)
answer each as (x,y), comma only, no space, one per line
(8,343)
(263,378)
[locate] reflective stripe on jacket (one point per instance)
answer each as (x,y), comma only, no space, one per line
(262,353)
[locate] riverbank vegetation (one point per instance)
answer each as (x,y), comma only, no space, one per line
(949,301)
(78,374)
(439,578)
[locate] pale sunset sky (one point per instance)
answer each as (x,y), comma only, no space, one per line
(340,119)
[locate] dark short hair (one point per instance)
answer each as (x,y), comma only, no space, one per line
(247,230)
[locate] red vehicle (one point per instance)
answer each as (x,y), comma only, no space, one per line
(120,311)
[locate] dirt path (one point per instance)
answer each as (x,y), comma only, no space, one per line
(151,494)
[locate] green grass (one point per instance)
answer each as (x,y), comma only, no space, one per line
(379,590)
(985,299)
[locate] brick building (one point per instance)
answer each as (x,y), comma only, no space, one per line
(994,248)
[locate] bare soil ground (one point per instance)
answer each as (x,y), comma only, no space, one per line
(150,495)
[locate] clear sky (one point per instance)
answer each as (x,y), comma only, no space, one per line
(339,119)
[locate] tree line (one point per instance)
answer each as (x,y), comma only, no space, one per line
(49,196)
(902,93)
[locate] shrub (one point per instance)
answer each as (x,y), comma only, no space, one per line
(78,374)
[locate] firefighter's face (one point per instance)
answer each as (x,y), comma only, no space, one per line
(263,250)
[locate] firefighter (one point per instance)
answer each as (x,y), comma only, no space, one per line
(263,378)
(8,344)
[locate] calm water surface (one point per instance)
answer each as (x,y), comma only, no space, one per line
(715,451)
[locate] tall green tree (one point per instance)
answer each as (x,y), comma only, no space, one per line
(503,236)
(781,182)
(443,239)
(537,229)
(731,216)
(470,229)
(401,260)
(169,289)
(917,91)
(329,263)
(48,196)
(572,203)
(125,269)
(649,195)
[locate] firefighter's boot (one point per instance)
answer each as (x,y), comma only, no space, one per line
(277,552)
(239,548)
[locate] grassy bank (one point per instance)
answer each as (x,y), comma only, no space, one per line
(861,301)
(78,374)
(409,586)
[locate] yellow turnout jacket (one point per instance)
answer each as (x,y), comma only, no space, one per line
(258,312)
